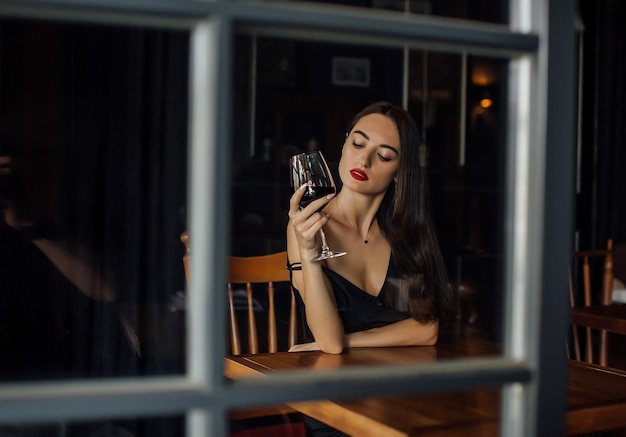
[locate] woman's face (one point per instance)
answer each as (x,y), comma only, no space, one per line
(370,155)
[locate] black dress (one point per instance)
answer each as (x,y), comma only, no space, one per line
(358,311)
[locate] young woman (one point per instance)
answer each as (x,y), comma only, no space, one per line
(391,288)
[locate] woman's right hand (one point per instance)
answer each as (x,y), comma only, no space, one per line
(308,221)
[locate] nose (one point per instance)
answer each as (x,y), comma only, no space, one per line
(365,160)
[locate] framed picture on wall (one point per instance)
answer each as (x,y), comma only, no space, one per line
(351,71)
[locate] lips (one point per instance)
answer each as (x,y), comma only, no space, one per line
(359,175)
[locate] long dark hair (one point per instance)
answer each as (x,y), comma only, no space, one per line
(404,219)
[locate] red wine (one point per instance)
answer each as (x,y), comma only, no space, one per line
(314,193)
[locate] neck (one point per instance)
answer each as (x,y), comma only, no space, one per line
(358,213)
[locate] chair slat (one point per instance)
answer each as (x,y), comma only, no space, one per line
(603,292)
(235,342)
(253,341)
(572,301)
(272,338)
(293,331)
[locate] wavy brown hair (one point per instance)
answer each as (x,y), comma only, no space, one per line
(404,218)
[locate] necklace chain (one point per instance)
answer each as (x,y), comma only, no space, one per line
(369,232)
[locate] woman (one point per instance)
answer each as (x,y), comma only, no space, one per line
(391,287)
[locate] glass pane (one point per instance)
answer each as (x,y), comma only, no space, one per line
(152,427)
(93,199)
(476,412)
(293,96)
(304,96)
(272,420)
(466,174)
(491,11)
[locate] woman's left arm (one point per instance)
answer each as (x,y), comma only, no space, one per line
(408,332)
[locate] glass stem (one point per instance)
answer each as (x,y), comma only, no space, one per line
(325,247)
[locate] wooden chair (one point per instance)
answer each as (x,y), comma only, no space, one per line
(269,270)
(592,274)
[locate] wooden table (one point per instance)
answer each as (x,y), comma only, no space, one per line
(611,318)
(596,396)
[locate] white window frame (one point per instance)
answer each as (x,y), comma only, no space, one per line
(532,369)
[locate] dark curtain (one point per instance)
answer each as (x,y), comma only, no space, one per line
(602,201)
(122,168)
(95,120)
(123,150)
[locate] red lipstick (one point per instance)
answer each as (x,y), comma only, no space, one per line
(359,175)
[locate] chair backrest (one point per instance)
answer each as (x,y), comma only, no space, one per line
(591,283)
(268,270)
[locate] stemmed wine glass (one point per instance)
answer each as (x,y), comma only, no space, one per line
(312,167)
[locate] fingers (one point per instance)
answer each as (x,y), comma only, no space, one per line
(307,222)
(316,205)
(307,227)
(311,215)
(294,202)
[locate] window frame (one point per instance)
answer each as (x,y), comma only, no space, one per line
(532,369)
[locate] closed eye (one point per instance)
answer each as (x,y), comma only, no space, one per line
(356,144)
(384,158)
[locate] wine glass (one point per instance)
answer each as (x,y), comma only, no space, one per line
(312,167)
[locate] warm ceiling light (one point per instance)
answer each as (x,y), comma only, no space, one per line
(484,72)
(481,79)
(486,103)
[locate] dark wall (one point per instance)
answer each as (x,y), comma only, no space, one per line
(601,202)
(298,107)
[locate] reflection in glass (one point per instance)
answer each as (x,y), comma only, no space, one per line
(272,420)
(288,101)
(377,415)
(382,415)
(92,197)
(464,135)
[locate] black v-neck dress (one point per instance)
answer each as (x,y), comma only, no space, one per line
(358,311)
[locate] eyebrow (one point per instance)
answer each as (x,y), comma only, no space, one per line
(386,146)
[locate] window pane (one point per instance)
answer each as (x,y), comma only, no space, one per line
(476,412)
(93,197)
(463,123)
(492,11)
(293,96)
(272,420)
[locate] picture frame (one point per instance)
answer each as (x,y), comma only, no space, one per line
(348,71)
